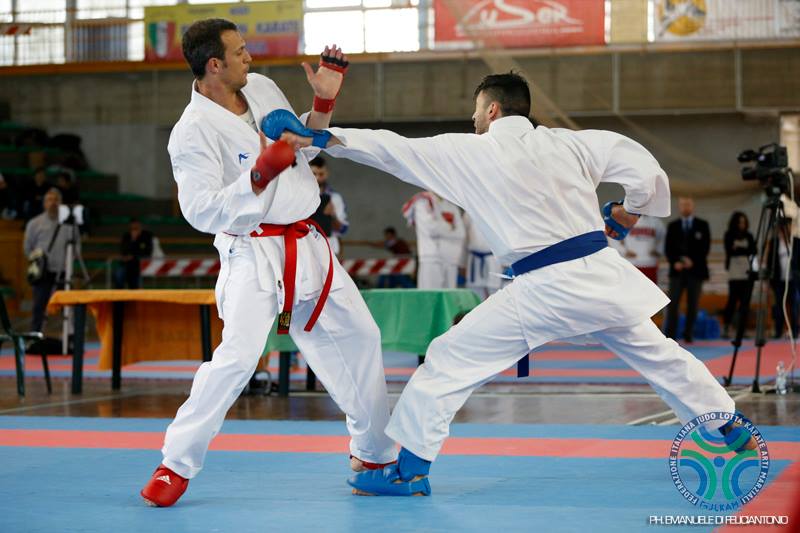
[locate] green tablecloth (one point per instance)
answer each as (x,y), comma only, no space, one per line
(409,319)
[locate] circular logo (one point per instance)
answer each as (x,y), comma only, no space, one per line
(681,17)
(719,461)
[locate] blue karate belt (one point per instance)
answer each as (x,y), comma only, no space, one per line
(572,248)
(480,258)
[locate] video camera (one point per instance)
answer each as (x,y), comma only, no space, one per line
(770,168)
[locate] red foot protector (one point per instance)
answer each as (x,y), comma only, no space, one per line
(164,488)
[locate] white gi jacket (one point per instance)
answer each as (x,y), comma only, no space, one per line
(212,151)
(438,240)
(545,194)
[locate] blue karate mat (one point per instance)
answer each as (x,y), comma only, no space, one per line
(96,490)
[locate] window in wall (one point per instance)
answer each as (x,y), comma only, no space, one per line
(41,11)
(6,50)
(99,9)
(391,30)
(343,28)
(5,11)
(329,4)
(43,45)
(136,41)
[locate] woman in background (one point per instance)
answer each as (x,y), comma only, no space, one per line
(739,247)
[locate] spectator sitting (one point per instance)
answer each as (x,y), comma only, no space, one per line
(399,248)
(66,183)
(8,200)
(739,247)
(33,194)
(395,244)
(136,244)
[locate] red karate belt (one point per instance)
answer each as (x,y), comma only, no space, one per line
(290,233)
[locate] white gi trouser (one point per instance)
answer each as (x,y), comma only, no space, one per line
(560,301)
(436,275)
(343,349)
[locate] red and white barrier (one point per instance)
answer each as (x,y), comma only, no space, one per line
(180,268)
(377,267)
(16,29)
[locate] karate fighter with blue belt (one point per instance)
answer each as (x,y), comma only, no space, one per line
(532,194)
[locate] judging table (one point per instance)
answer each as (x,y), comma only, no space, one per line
(147,325)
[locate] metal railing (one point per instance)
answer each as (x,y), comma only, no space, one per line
(71,31)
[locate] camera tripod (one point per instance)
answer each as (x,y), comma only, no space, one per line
(769,236)
(71,254)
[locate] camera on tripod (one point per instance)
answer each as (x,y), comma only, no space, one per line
(770,168)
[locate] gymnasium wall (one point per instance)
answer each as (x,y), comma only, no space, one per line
(695,109)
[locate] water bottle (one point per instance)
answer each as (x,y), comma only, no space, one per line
(780,378)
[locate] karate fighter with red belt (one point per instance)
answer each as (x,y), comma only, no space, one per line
(256,197)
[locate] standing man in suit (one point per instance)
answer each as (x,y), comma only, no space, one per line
(688,243)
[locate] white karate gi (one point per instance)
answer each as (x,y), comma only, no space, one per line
(527,189)
(483,268)
(212,152)
(439,242)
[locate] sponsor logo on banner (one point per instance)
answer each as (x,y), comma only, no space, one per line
(681,17)
(520,23)
(678,20)
(270,29)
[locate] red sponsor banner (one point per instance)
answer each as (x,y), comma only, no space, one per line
(519,23)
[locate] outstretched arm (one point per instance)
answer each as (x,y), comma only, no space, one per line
(431,163)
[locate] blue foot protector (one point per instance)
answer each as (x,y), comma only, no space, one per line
(408,477)
(387,482)
(737,436)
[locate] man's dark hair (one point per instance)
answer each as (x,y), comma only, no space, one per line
(391,230)
(202,41)
(509,90)
(318,162)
